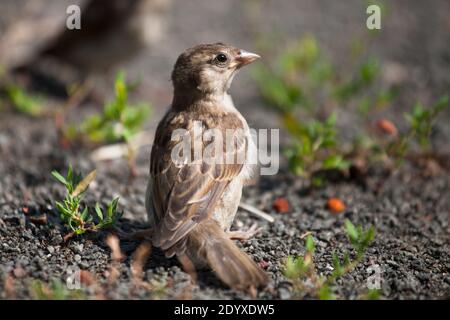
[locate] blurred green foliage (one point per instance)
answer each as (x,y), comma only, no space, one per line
(307,89)
(118,121)
(56,290)
(314,145)
(420,126)
(421,120)
(23,101)
(303,85)
(296,78)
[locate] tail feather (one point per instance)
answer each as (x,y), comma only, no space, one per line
(233,267)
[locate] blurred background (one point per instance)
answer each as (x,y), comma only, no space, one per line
(144,37)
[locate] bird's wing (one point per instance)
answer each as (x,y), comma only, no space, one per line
(186,193)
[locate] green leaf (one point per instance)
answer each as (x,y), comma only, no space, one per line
(335,161)
(373,294)
(440,105)
(369,236)
(84,214)
(126,133)
(331,120)
(121,87)
(318,180)
(369,70)
(70,175)
(364,106)
(310,246)
(325,293)
(293,267)
(23,102)
(59,177)
(112,207)
(360,231)
(69,222)
(351,230)
(98,211)
(336,262)
(346,258)
(62,209)
(111,112)
(79,231)
(134,116)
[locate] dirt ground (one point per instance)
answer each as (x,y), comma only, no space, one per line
(409,209)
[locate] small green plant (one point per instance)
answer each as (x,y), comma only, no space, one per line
(371,294)
(421,122)
(297,79)
(366,74)
(313,147)
(119,120)
(74,213)
(303,86)
(302,271)
(303,78)
(56,290)
(158,288)
(22,101)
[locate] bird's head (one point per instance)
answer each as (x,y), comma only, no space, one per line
(209,68)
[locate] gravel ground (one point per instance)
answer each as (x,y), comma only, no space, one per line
(409,210)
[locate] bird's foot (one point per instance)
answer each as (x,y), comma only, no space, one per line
(244,235)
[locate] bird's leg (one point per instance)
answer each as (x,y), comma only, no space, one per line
(244,235)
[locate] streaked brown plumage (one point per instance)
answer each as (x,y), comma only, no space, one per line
(191,206)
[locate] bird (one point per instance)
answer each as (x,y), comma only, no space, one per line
(191,204)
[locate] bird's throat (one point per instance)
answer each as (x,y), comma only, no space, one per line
(188,99)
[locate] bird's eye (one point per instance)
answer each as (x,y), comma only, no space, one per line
(221,57)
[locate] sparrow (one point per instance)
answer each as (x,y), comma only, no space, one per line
(191,205)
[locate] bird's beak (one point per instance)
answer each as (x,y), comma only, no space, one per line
(245,58)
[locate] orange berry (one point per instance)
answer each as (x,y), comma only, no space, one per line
(335,205)
(281,205)
(387,127)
